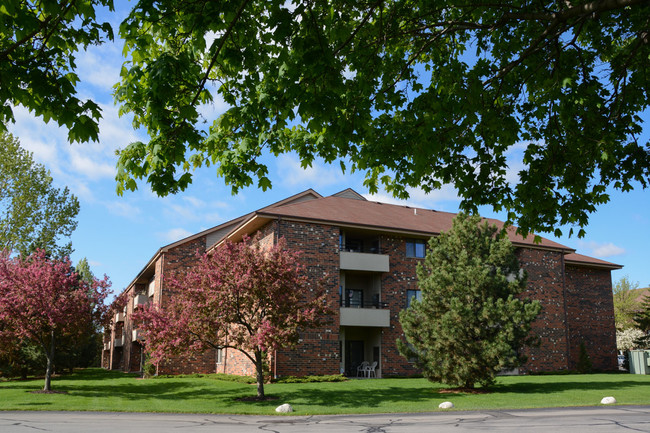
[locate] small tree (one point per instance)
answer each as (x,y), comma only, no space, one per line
(625,305)
(239,296)
(470,323)
(42,300)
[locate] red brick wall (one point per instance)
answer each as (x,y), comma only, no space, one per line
(235,362)
(135,356)
(318,351)
(546,284)
(178,259)
(203,363)
(591,316)
(394,285)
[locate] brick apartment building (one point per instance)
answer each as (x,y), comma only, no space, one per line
(366,254)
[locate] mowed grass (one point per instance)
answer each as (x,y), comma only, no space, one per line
(99,390)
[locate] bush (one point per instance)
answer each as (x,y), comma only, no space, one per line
(312,379)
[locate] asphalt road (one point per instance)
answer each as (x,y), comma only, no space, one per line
(576,420)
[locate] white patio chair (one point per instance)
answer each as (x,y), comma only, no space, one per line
(362,368)
(370,370)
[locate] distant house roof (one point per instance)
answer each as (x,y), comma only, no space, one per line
(640,294)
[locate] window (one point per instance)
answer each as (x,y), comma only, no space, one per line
(220,355)
(415,248)
(412,294)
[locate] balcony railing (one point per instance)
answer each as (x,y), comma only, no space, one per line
(136,335)
(140,299)
(354,303)
(119,317)
(364,262)
(151,289)
(367,317)
(119,342)
(355,249)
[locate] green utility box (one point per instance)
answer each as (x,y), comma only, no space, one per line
(639,361)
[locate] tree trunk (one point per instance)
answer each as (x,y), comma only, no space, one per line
(50,365)
(259,366)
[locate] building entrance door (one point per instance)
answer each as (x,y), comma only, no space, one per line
(354,354)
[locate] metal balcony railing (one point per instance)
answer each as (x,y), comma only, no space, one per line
(353,303)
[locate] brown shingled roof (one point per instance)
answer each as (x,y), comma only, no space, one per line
(389,217)
(580,259)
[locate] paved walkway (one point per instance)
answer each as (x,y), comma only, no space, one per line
(575,420)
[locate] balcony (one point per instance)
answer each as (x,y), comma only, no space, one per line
(140,299)
(107,345)
(373,317)
(151,289)
(353,261)
(136,335)
(119,342)
(119,317)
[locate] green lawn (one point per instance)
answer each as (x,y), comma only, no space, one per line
(99,390)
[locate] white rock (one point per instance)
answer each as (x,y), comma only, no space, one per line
(446,405)
(284,408)
(608,400)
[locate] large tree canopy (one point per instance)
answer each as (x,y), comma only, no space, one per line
(38,43)
(33,213)
(413,93)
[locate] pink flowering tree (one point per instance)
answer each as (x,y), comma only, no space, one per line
(42,300)
(240,296)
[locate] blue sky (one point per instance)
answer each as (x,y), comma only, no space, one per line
(118,235)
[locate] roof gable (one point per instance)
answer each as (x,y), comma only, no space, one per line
(349,193)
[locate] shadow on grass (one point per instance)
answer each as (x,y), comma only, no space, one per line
(426,392)
(551,387)
(350,399)
(101,384)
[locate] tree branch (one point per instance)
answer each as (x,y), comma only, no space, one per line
(219,48)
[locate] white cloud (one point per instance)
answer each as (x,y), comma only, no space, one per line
(212,110)
(89,167)
(121,208)
(189,208)
(80,166)
(515,161)
(195,202)
(174,235)
(438,199)
(318,175)
(602,249)
(100,66)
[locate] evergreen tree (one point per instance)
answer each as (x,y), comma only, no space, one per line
(469,323)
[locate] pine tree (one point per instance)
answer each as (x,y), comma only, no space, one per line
(469,323)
